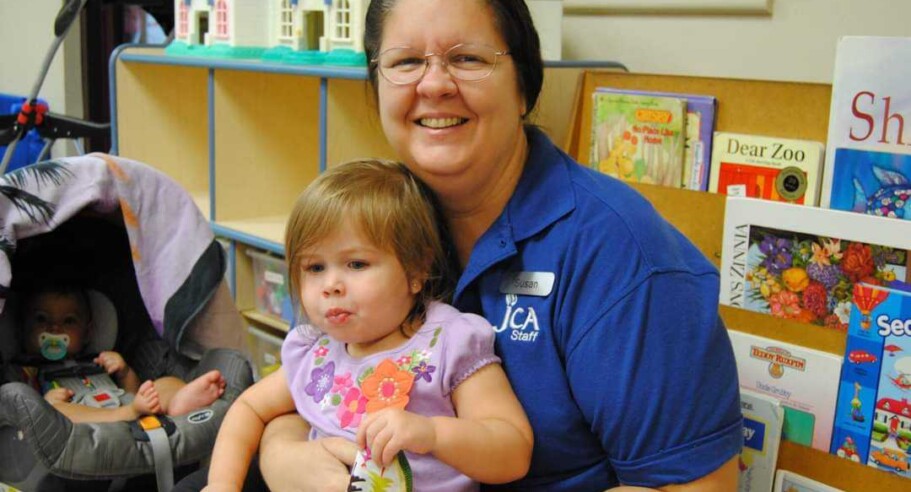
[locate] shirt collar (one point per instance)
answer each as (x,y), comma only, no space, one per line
(544,192)
(542,195)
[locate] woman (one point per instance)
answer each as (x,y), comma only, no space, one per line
(606,317)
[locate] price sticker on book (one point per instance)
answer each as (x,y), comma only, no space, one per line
(737,190)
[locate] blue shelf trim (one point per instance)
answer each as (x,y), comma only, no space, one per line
(211,128)
(323,122)
(327,71)
(248,239)
(356,73)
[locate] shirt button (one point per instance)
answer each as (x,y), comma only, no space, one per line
(502,243)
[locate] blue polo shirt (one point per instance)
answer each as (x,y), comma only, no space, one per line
(607,324)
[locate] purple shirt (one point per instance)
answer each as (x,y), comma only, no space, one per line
(329,386)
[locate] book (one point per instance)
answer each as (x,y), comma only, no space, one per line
(638,138)
(868,153)
(699,128)
(801,263)
(788,481)
(803,380)
(780,169)
(763,417)
(873,412)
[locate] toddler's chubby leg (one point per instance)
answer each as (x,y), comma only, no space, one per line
(147,401)
(198,393)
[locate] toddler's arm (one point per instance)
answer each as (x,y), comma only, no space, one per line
(490,440)
(240,432)
(114,364)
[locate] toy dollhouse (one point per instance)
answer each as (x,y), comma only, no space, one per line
(292,31)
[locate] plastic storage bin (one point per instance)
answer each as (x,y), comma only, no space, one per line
(265,351)
(229,261)
(270,285)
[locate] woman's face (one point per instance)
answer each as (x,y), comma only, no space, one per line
(445,129)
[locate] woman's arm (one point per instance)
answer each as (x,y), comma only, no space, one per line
(288,461)
(490,440)
(724,479)
(242,428)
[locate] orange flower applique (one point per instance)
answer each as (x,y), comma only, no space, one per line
(387,387)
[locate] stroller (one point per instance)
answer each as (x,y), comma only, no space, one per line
(155,273)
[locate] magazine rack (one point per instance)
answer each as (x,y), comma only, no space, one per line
(782,109)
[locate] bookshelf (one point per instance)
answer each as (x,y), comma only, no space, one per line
(782,109)
(245,137)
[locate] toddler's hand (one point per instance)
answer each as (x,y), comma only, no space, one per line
(113,363)
(391,430)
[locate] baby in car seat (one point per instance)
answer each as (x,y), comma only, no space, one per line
(56,326)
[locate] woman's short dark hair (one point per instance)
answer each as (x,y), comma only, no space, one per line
(512,19)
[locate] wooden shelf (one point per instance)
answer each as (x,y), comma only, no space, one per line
(794,110)
(270,229)
(264,319)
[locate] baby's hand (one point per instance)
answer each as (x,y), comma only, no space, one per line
(391,430)
(58,395)
(113,363)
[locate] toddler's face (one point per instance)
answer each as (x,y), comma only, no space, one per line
(56,325)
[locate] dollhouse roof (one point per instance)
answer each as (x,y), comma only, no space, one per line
(897,407)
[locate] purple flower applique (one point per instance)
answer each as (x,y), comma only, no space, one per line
(321,379)
(423,371)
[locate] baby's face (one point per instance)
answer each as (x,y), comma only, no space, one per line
(53,319)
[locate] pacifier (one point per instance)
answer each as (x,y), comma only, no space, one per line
(53,347)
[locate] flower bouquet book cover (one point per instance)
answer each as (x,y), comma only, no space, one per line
(873,414)
(801,263)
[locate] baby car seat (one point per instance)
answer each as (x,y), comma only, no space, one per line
(133,236)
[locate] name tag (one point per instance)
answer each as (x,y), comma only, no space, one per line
(527,283)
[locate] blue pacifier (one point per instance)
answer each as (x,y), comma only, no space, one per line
(53,347)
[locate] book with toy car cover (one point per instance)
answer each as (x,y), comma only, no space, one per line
(873,413)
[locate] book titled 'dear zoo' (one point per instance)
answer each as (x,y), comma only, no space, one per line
(780,169)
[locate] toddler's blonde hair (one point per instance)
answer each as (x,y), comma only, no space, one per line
(390,207)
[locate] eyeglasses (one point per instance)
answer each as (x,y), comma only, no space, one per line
(467,62)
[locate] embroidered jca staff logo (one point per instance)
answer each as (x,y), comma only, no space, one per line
(778,359)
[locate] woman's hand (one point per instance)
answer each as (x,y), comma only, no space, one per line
(391,430)
(288,461)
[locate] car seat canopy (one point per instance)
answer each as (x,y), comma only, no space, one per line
(132,236)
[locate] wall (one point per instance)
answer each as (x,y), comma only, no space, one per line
(26,34)
(795,43)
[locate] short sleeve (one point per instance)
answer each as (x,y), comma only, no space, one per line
(468,346)
(656,377)
(294,349)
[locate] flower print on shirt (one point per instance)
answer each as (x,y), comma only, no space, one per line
(387,387)
(423,371)
(321,379)
(352,408)
(342,383)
